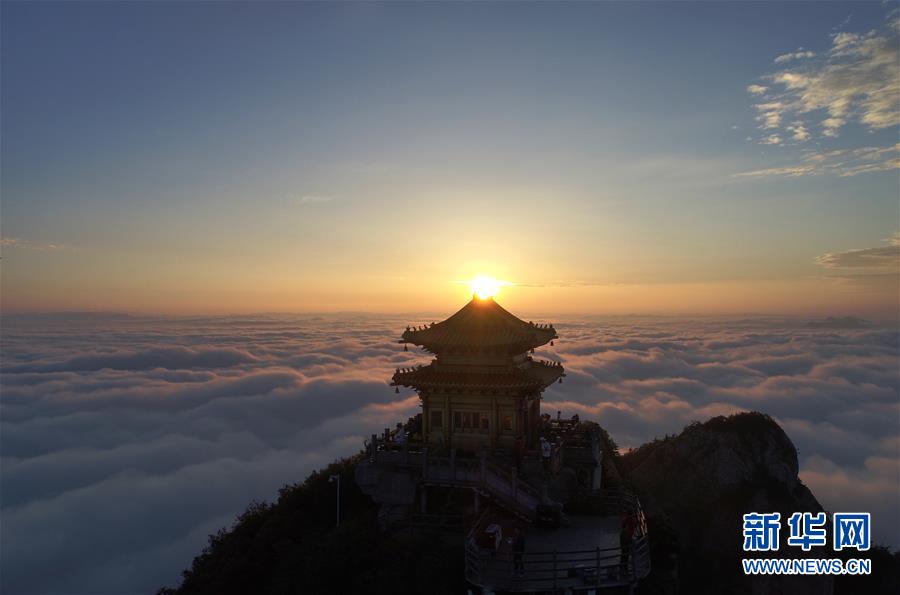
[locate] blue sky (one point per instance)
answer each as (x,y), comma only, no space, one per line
(377,152)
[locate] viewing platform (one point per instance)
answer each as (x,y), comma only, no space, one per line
(582,556)
(581,553)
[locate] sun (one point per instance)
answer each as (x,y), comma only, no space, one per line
(485,287)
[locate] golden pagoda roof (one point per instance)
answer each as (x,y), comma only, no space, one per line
(481,323)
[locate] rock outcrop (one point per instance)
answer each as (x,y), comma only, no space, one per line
(701,482)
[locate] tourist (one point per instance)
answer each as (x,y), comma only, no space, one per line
(546,451)
(545,423)
(626,534)
(495,532)
(519,451)
(518,547)
(400,435)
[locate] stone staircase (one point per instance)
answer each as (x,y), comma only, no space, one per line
(390,476)
(489,479)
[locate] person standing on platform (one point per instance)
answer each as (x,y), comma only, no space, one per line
(518,551)
(519,451)
(626,534)
(546,450)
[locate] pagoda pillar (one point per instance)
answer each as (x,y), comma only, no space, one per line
(448,439)
(494,422)
(426,420)
(520,416)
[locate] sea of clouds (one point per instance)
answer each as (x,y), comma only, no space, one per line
(127,440)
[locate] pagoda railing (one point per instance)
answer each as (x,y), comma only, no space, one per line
(550,570)
(557,569)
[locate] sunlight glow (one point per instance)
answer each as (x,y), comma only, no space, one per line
(485,287)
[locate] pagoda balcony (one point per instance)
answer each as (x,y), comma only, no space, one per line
(531,377)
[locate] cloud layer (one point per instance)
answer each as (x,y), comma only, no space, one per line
(126,441)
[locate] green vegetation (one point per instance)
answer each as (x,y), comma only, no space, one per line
(292,546)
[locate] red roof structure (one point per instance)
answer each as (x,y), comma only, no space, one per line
(481,349)
(481,325)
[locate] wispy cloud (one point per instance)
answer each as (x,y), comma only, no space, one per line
(854,81)
(800,54)
(839,162)
(756,89)
(569,283)
(28,244)
(843,23)
(311,199)
(880,258)
(770,114)
(798,131)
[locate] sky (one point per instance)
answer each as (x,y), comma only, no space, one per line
(197,158)
(216,219)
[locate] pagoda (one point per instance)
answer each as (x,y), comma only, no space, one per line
(480,459)
(483,388)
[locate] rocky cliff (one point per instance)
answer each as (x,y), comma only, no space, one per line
(697,485)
